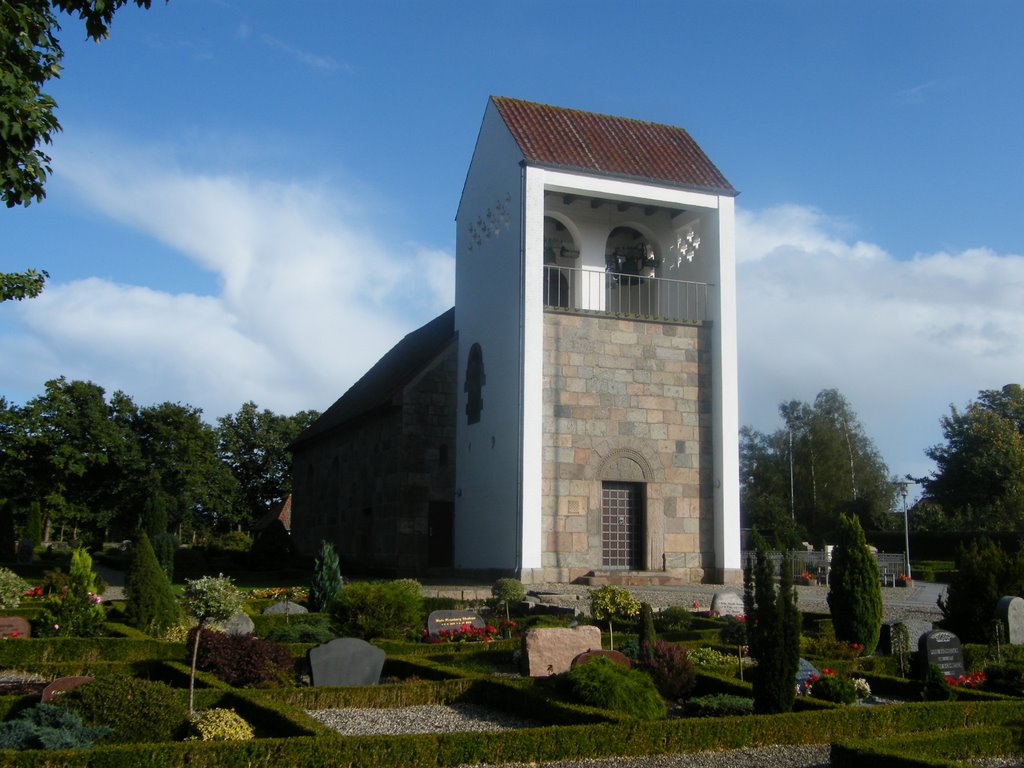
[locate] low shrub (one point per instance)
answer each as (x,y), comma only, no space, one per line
(12,588)
(242,660)
(311,629)
(46,726)
(603,683)
(671,670)
(835,689)
(719,705)
(372,609)
(220,725)
(706,656)
(673,619)
(135,710)
(1007,677)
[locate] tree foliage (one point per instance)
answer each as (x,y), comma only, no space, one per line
(253,443)
(103,466)
(31,57)
(798,480)
(610,603)
(984,574)
(855,592)
(773,632)
(209,599)
(979,475)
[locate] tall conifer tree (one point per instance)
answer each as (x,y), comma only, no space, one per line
(855,592)
(151,605)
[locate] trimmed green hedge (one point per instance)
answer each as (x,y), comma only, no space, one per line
(271,715)
(23,654)
(934,750)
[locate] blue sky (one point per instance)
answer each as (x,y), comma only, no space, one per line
(253,200)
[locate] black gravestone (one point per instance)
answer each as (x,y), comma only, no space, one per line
(942,649)
(346,661)
(452,621)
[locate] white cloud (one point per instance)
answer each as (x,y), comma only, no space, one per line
(900,339)
(309,300)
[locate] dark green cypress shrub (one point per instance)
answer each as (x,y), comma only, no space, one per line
(151,604)
(164,546)
(326,578)
(648,637)
(984,574)
(773,632)
(855,592)
(8,544)
(603,683)
(34,523)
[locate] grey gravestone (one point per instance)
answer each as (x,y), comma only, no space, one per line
(26,551)
(942,649)
(346,661)
(285,607)
(1010,610)
(727,604)
(452,620)
(239,624)
(15,626)
(804,672)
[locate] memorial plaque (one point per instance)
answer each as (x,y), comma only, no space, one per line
(727,604)
(15,626)
(285,607)
(1010,610)
(616,657)
(915,628)
(62,685)
(346,661)
(942,649)
(451,621)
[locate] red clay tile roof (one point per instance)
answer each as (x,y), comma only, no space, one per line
(617,146)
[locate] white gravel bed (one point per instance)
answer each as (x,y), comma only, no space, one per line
(424,718)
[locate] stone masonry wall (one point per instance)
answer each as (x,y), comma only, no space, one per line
(631,401)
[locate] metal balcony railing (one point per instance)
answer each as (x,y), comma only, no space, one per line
(570,289)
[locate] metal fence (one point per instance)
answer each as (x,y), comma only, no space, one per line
(817,564)
(616,293)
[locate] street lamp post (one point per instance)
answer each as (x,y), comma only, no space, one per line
(906,528)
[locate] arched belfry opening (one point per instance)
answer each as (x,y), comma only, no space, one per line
(561,257)
(629,255)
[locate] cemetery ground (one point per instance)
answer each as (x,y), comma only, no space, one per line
(453,689)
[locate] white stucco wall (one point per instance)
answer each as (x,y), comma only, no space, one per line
(488,298)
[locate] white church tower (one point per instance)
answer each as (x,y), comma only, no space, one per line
(597,425)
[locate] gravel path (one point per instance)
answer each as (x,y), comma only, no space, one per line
(432,718)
